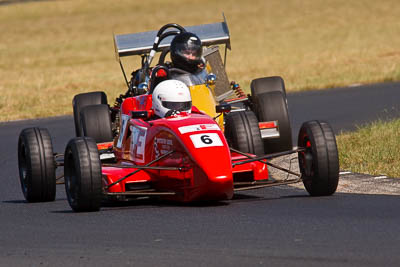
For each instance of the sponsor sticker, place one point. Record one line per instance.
(198, 128)
(162, 146)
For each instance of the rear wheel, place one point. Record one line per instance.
(267, 85)
(82, 171)
(96, 123)
(36, 165)
(242, 132)
(319, 163)
(82, 100)
(270, 104)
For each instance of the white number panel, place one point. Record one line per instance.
(206, 140)
(138, 142)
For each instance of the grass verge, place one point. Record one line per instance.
(374, 149)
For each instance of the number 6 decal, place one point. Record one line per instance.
(206, 140)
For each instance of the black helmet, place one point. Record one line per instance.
(186, 51)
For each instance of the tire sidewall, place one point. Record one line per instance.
(324, 176)
(71, 164)
(242, 132)
(96, 123)
(83, 183)
(37, 177)
(85, 99)
(24, 166)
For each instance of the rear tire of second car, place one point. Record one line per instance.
(82, 100)
(96, 123)
(267, 85)
(272, 107)
(268, 96)
(242, 132)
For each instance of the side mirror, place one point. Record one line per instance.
(142, 114)
(223, 108)
(211, 79)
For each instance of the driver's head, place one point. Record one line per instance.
(186, 52)
(171, 97)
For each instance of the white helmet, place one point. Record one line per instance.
(171, 96)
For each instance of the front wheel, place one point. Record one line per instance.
(319, 160)
(82, 171)
(36, 165)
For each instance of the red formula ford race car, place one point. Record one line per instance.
(156, 142)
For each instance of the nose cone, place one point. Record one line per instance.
(212, 175)
(219, 184)
(209, 187)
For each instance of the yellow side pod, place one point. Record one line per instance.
(203, 99)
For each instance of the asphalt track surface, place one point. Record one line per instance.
(346, 108)
(279, 226)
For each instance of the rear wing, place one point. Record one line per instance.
(142, 42)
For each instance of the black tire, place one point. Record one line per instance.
(272, 107)
(267, 85)
(82, 173)
(319, 163)
(242, 132)
(96, 123)
(37, 170)
(82, 100)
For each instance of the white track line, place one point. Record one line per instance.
(380, 177)
(343, 173)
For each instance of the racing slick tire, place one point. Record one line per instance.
(319, 163)
(82, 173)
(96, 123)
(268, 95)
(267, 85)
(82, 100)
(242, 132)
(272, 107)
(37, 170)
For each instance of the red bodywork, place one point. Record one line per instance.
(199, 148)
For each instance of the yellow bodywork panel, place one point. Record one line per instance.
(203, 99)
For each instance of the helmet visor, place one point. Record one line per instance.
(179, 106)
(191, 51)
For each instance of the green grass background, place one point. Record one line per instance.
(374, 148)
